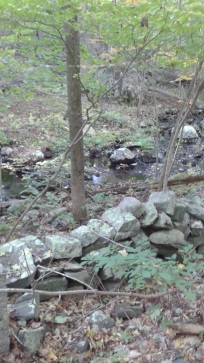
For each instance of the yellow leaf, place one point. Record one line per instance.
(180, 266)
(53, 356)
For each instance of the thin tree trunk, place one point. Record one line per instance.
(75, 121)
(191, 99)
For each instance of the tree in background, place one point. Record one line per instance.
(140, 34)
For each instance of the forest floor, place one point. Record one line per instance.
(157, 335)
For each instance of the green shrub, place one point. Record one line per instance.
(144, 270)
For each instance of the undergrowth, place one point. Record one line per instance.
(143, 270)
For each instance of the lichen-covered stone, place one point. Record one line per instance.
(150, 215)
(132, 205)
(163, 222)
(164, 201)
(125, 224)
(173, 237)
(63, 246)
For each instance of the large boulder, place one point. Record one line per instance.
(164, 201)
(122, 156)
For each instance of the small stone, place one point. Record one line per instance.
(150, 215)
(196, 228)
(127, 311)
(81, 346)
(27, 307)
(32, 338)
(102, 321)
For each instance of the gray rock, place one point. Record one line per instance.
(29, 191)
(84, 235)
(110, 274)
(172, 238)
(81, 346)
(127, 311)
(150, 215)
(188, 133)
(38, 154)
(51, 284)
(27, 307)
(196, 228)
(163, 222)
(164, 201)
(197, 241)
(32, 215)
(196, 210)
(125, 224)
(32, 338)
(111, 285)
(18, 257)
(201, 249)
(63, 246)
(89, 130)
(183, 226)
(99, 319)
(103, 231)
(6, 151)
(132, 205)
(122, 155)
(180, 210)
(85, 276)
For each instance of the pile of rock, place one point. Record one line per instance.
(166, 223)
(52, 264)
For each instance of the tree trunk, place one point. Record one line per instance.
(192, 96)
(75, 121)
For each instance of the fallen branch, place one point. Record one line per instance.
(185, 328)
(89, 292)
(171, 182)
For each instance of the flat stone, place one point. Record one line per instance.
(132, 205)
(51, 284)
(125, 224)
(172, 238)
(63, 246)
(164, 201)
(84, 235)
(84, 277)
(127, 311)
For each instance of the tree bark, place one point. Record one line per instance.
(75, 121)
